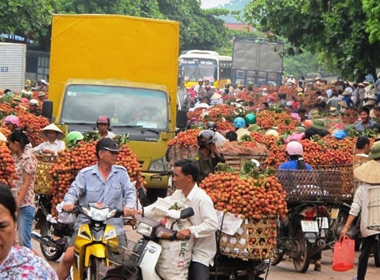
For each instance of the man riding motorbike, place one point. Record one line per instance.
(103, 182)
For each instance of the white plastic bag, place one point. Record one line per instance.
(175, 257)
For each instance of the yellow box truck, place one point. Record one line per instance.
(123, 67)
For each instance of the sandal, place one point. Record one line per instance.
(317, 266)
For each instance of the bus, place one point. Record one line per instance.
(202, 65)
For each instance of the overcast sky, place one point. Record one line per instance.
(212, 3)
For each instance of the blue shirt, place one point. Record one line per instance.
(89, 186)
(360, 127)
(292, 165)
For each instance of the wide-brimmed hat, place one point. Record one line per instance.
(216, 96)
(374, 152)
(318, 124)
(370, 102)
(365, 83)
(333, 111)
(41, 93)
(368, 172)
(3, 138)
(343, 104)
(346, 92)
(300, 129)
(52, 127)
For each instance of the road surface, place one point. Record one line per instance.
(285, 269)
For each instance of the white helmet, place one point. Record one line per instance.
(294, 148)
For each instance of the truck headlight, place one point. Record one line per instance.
(158, 165)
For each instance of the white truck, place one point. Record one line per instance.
(12, 66)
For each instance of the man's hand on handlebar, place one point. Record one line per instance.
(68, 207)
(183, 234)
(130, 212)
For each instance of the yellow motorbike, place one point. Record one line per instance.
(90, 260)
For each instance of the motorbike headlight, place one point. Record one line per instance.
(144, 229)
(158, 165)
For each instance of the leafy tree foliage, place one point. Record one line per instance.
(25, 18)
(334, 30)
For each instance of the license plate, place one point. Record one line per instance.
(312, 226)
(334, 213)
(309, 226)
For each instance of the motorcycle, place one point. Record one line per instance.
(138, 260)
(55, 233)
(303, 233)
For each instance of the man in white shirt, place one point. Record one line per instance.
(204, 221)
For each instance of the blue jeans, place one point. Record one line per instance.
(25, 216)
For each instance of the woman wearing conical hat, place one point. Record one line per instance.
(369, 175)
(53, 143)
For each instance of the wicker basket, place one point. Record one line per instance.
(236, 161)
(43, 181)
(255, 240)
(347, 178)
(316, 185)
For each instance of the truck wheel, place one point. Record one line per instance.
(49, 253)
(302, 262)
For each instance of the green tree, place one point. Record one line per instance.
(200, 29)
(333, 30)
(25, 18)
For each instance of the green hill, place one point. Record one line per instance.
(233, 5)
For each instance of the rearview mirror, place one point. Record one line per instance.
(181, 119)
(187, 212)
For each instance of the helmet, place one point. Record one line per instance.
(340, 134)
(73, 137)
(103, 119)
(239, 122)
(212, 126)
(12, 119)
(294, 148)
(33, 102)
(250, 119)
(205, 137)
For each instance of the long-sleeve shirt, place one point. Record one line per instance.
(89, 186)
(204, 223)
(360, 203)
(56, 146)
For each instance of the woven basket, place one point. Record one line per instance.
(316, 185)
(255, 240)
(237, 161)
(347, 178)
(43, 181)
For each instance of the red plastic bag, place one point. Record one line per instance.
(344, 254)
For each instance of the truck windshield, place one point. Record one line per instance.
(125, 106)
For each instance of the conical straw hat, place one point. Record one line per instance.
(53, 127)
(369, 172)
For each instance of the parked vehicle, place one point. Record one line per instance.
(138, 260)
(134, 83)
(55, 233)
(303, 233)
(12, 66)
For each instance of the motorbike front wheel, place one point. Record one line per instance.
(93, 270)
(49, 253)
(302, 262)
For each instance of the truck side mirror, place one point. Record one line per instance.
(47, 109)
(181, 119)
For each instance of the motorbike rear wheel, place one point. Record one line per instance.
(49, 253)
(302, 262)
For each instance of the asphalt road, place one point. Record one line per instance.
(285, 270)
